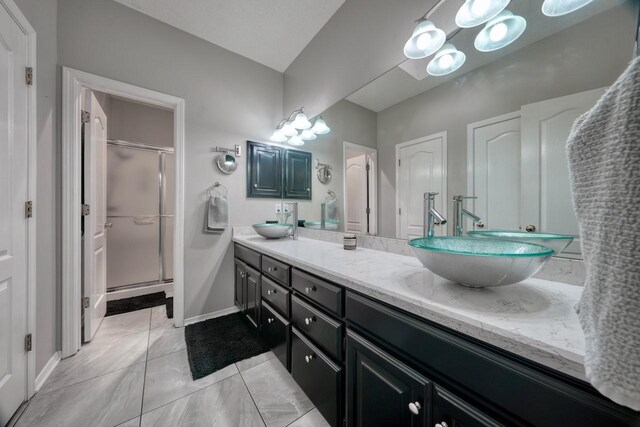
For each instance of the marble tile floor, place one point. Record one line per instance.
(135, 373)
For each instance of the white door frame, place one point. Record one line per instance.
(445, 203)
(72, 83)
(32, 132)
(368, 150)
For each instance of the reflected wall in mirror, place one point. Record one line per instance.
(495, 129)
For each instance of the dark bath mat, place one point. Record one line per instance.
(170, 307)
(217, 343)
(135, 303)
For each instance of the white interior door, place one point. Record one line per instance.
(494, 157)
(94, 262)
(13, 224)
(372, 161)
(421, 168)
(546, 192)
(356, 185)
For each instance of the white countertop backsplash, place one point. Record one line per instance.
(534, 319)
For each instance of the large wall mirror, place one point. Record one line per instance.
(495, 129)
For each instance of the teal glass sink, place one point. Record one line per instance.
(480, 263)
(273, 231)
(557, 242)
(328, 225)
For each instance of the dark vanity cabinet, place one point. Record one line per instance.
(264, 166)
(276, 172)
(365, 363)
(297, 175)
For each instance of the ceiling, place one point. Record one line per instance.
(271, 32)
(410, 77)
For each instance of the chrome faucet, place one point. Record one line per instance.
(459, 212)
(294, 231)
(431, 216)
(323, 215)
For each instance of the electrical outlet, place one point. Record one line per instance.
(278, 208)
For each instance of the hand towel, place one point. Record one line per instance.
(604, 161)
(331, 210)
(217, 214)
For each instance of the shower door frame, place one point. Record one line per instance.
(73, 82)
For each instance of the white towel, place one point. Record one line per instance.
(217, 214)
(331, 210)
(604, 160)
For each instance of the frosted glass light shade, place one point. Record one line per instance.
(499, 32)
(425, 40)
(447, 60)
(300, 121)
(320, 127)
(288, 129)
(476, 12)
(308, 135)
(296, 141)
(278, 136)
(562, 7)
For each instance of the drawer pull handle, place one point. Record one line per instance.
(308, 358)
(309, 289)
(415, 407)
(271, 291)
(272, 269)
(270, 320)
(309, 320)
(442, 424)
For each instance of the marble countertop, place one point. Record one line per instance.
(534, 319)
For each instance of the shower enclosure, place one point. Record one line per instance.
(140, 215)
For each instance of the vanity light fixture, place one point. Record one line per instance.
(500, 31)
(447, 60)
(425, 40)
(562, 7)
(278, 134)
(476, 12)
(296, 141)
(288, 129)
(300, 120)
(320, 127)
(308, 135)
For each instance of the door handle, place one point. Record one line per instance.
(415, 407)
(108, 225)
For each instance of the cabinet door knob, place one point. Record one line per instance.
(270, 320)
(309, 289)
(255, 185)
(415, 407)
(308, 358)
(271, 291)
(442, 424)
(309, 320)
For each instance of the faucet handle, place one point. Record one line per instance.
(429, 195)
(461, 198)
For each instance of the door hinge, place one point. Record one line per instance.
(368, 167)
(368, 211)
(28, 209)
(85, 116)
(85, 302)
(86, 210)
(399, 161)
(399, 211)
(28, 342)
(28, 76)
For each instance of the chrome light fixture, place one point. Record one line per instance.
(562, 7)
(425, 40)
(296, 141)
(476, 12)
(300, 120)
(320, 127)
(501, 31)
(308, 135)
(278, 134)
(447, 60)
(288, 129)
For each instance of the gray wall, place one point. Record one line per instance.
(42, 17)
(575, 60)
(136, 122)
(228, 99)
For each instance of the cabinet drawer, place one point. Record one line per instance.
(276, 270)
(249, 256)
(277, 296)
(324, 293)
(276, 331)
(318, 376)
(324, 331)
(486, 378)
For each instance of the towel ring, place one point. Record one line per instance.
(215, 186)
(332, 195)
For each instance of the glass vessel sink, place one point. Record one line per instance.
(480, 263)
(273, 231)
(328, 225)
(557, 242)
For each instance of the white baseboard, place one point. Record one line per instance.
(208, 316)
(47, 370)
(142, 290)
